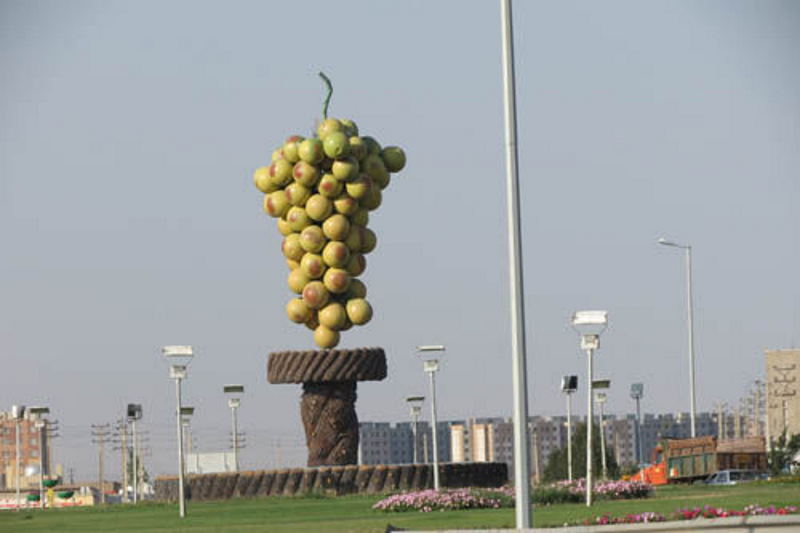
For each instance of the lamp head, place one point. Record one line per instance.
(233, 390)
(666, 242)
(431, 348)
(134, 411)
(599, 384)
(415, 399)
(569, 384)
(430, 357)
(37, 413)
(637, 391)
(178, 355)
(590, 322)
(186, 414)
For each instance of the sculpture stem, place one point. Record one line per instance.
(328, 97)
(329, 418)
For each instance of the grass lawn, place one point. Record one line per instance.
(353, 513)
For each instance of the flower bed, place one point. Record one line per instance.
(446, 500)
(688, 514)
(561, 492)
(575, 491)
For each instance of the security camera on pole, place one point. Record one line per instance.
(134, 413)
(569, 384)
(589, 324)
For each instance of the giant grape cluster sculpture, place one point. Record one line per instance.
(322, 189)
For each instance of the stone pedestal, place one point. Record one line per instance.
(327, 407)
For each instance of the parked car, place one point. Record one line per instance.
(734, 477)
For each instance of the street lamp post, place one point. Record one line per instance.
(589, 324)
(188, 445)
(569, 384)
(431, 366)
(688, 249)
(40, 424)
(179, 357)
(519, 374)
(601, 400)
(233, 392)
(134, 414)
(17, 413)
(637, 393)
(415, 403)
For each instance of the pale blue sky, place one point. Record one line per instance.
(128, 219)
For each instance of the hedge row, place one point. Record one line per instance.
(333, 480)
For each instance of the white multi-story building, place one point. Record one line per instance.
(386, 443)
(491, 439)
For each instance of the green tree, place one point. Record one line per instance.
(783, 450)
(145, 476)
(557, 468)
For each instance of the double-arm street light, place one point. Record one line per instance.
(430, 365)
(234, 393)
(179, 358)
(589, 324)
(688, 249)
(569, 384)
(415, 404)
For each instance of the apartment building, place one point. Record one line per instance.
(33, 447)
(783, 394)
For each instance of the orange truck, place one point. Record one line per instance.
(689, 460)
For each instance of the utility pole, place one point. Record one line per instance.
(122, 427)
(535, 452)
(99, 437)
(757, 409)
(737, 422)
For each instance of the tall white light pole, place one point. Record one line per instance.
(589, 324)
(188, 445)
(688, 249)
(601, 400)
(637, 393)
(40, 423)
(569, 384)
(522, 467)
(17, 413)
(234, 400)
(415, 403)
(179, 358)
(431, 366)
